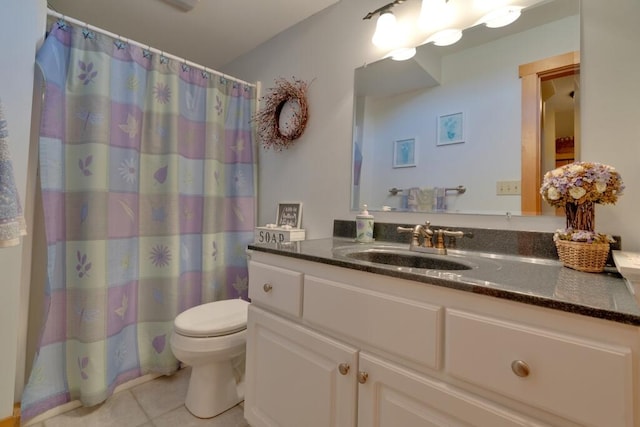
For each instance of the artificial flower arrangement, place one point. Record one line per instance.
(582, 236)
(581, 182)
(577, 187)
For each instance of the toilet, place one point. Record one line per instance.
(211, 338)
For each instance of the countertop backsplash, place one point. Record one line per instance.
(512, 242)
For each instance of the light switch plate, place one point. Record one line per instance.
(508, 188)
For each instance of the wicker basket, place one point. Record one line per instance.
(589, 257)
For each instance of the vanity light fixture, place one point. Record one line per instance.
(441, 20)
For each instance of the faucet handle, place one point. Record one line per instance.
(450, 233)
(452, 236)
(414, 236)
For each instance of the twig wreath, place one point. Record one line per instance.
(292, 93)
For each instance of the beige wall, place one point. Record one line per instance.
(327, 47)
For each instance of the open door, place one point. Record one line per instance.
(532, 76)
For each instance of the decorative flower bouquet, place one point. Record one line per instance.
(577, 187)
(582, 182)
(582, 236)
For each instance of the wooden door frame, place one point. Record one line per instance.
(531, 75)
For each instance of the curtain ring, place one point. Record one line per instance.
(62, 23)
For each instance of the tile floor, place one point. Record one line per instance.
(157, 403)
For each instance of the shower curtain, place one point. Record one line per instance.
(148, 171)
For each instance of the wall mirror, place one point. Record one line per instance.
(462, 108)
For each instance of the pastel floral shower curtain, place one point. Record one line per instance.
(148, 179)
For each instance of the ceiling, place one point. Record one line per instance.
(213, 33)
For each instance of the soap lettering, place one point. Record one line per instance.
(266, 237)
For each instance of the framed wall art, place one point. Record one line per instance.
(404, 153)
(450, 129)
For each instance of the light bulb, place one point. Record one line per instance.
(385, 30)
(434, 13)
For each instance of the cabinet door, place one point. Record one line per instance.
(392, 396)
(296, 377)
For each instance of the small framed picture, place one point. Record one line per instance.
(450, 129)
(289, 213)
(404, 153)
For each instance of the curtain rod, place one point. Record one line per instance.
(154, 50)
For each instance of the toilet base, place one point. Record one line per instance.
(213, 389)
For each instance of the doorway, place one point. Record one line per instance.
(548, 140)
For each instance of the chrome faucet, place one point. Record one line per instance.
(425, 233)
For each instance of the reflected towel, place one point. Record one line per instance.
(12, 224)
(421, 199)
(412, 199)
(441, 199)
(425, 199)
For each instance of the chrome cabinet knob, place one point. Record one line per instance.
(343, 368)
(362, 377)
(267, 287)
(520, 368)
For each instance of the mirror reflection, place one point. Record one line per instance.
(448, 131)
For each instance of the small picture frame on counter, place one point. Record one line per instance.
(289, 214)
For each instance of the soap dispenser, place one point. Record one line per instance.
(364, 226)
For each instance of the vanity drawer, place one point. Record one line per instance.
(408, 329)
(276, 288)
(585, 381)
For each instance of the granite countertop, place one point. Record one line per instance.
(531, 280)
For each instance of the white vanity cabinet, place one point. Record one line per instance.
(297, 377)
(333, 346)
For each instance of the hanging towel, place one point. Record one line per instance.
(12, 224)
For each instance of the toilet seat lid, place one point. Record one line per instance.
(213, 319)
